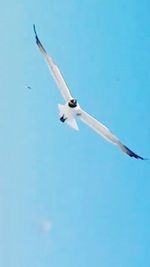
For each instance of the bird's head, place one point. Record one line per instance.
(72, 103)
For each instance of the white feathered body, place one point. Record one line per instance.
(69, 115)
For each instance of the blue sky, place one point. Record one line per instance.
(95, 199)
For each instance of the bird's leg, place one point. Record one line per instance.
(63, 119)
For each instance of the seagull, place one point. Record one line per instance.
(72, 110)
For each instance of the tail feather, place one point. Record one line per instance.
(73, 124)
(69, 119)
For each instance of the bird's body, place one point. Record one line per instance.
(72, 110)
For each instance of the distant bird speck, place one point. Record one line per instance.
(28, 87)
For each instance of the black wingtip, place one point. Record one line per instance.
(36, 37)
(34, 29)
(131, 153)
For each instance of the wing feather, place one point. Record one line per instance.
(106, 133)
(58, 77)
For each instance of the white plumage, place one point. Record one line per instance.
(71, 110)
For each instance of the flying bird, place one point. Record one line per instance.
(72, 110)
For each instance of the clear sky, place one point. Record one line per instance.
(70, 198)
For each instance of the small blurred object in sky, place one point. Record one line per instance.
(46, 226)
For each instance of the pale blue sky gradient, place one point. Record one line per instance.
(96, 198)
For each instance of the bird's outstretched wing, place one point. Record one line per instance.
(54, 70)
(106, 133)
